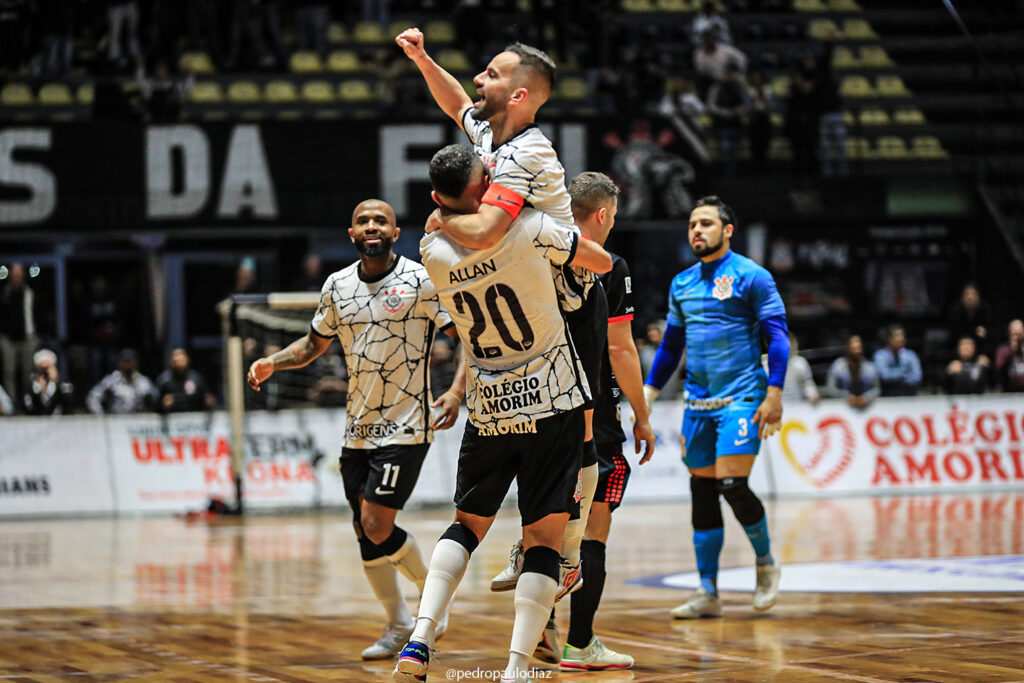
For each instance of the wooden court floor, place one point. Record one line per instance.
(282, 598)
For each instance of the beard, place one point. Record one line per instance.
(374, 249)
(703, 250)
(486, 111)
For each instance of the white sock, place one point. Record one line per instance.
(384, 580)
(447, 565)
(574, 528)
(409, 561)
(535, 595)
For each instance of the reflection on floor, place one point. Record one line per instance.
(284, 598)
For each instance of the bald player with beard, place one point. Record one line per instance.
(385, 311)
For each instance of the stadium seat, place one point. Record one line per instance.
(848, 118)
(891, 86)
(439, 31)
(909, 117)
(821, 29)
(873, 116)
(572, 89)
(928, 147)
(842, 58)
(858, 29)
(674, 6)
(453, 60)
(637, 5)
(306, 62)
(318, 91)
(55, 94)
(780, 86)
(16, 95)
(369, 33)
(206, 92)
(856, 86)
(85, 93)
(244, 92)
(875, 57)
(336, 33)
(356, 91)
(399, 25)
(196, 63)
(858, 148)
(344, 61)
(809, 6)
(843, 6)
(779, 148)
(280, 92)
(891, 147)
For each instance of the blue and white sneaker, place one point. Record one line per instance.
(412, 663)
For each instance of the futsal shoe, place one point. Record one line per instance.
(390, 644)
(700, 604)
(509, 576)
(548, 649)
(412, 663)
(594, 657)
(766, 593)
(570, 579)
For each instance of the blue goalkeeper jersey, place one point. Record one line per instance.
(720, 305)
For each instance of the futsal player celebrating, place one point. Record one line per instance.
(525, 394)
(719, 309)
(384, 311)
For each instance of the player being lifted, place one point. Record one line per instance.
(524, 170)
(719, 309)
(384, 311)
(525, 392)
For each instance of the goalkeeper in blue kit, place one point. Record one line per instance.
(720, 310)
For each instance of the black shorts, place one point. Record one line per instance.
(546, 465)
(385, 475)
(589, 329)
(612, 474)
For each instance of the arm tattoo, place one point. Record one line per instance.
(296, 355)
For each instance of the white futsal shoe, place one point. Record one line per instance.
(700, 604)
(507, 579)
(594, 657)
(549, 650)
(766, 593)
(390, 644)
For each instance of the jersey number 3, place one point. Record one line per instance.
(464, 300)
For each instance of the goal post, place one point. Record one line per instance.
(256, 325)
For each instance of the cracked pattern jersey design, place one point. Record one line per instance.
(385, 327)
(522, 368)
(527, 165)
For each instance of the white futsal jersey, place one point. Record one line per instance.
(386, 326)
(527, 165)
(522, 368)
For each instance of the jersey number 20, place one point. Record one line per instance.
(464, 300)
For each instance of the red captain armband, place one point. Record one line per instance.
(505, 199)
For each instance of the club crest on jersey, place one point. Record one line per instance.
(393, 301)
(723, 287)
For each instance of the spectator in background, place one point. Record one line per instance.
(648, 345)
(1010, 359)
(442, 363)
(312, 277)
(6, 404)
(969, 373)
(162, 94)
(181, 388)
(312, 17)
(17, 329)
(801, 123)
(708, 19)
(122, 18)
(245, 277)
(331, 389)
(57, 26)
(831, 124)
(800, 384)
(710, 60)
(125, 390)
(898, 366)
(727, 102)
(853, 377)
(104, 322)
(761, 103)
(47, 394)
(971, 317)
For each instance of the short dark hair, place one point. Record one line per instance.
(724, 212)
(590, 191)
(451, 169)
(893, 330)
(535, 60)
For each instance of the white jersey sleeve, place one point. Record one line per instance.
(325, 320)
(429, 305)
(555, 242)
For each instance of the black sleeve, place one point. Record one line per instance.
(619, 289)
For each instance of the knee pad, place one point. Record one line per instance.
(745, 505)
(463, 536)
(393, 543)
(368, 551)
(704, 509)
(542, 560)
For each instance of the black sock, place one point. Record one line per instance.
(584, 602)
